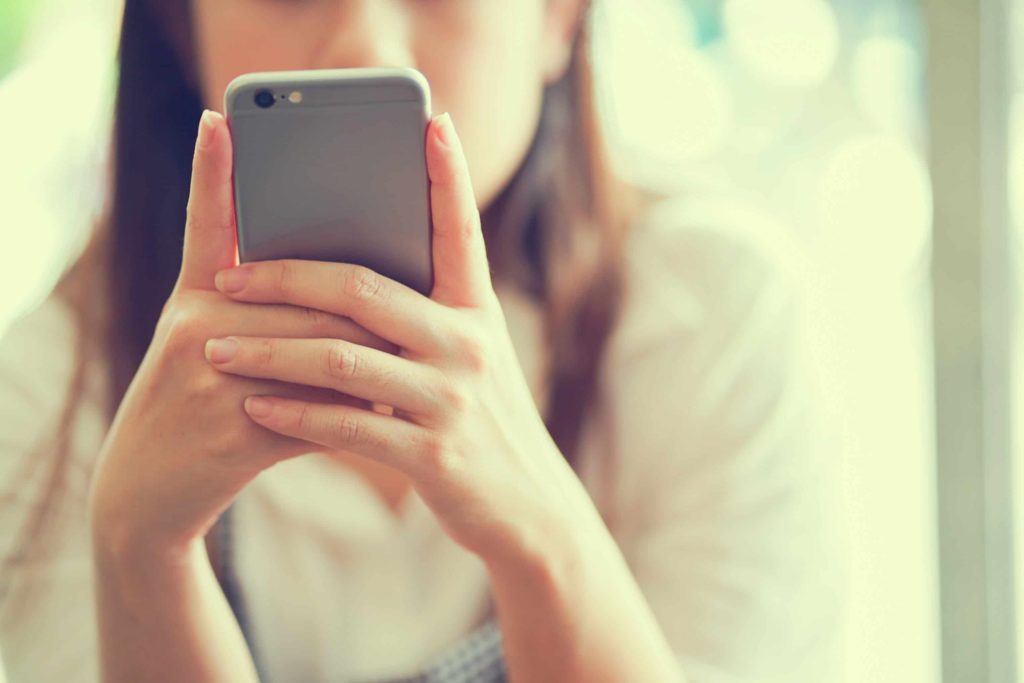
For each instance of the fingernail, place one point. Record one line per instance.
(221, 350)
(231, 280)
(257, 406)
(206, 129)
(446, 130)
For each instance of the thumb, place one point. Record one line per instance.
(210, 218)
(462, 276)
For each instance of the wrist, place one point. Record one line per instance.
(554, 552)
(576, 613)
(120, 548)
(122, 533)
(561, 525)
(535, 573)
(546, 599)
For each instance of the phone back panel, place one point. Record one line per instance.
(340, 176)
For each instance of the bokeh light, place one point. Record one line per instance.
(875, 206)
(792, 43)
(886, 77)
(665, 101)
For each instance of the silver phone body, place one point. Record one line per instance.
(339, 175)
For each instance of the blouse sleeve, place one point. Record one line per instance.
(721, 492)
(45, 576)
(36, 359)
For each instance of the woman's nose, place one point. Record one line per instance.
(367, 33)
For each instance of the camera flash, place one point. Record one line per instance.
(295, 97)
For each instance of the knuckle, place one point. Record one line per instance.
(363, 285)
(454, 396)
(319, 323)
(266, 353)
(348, 428)
(472, 351)
(284, 277)
(208, 386)
(305, 419)
(436, 454)
(185, 328)
(342, 361)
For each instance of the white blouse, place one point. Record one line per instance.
(701, 455)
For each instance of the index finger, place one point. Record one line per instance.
(385, 307)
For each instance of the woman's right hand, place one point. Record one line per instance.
(181, 446)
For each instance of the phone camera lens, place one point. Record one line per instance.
(264, 99)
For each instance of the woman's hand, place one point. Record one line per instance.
(181, 446)
(465, 429)
(180, 449)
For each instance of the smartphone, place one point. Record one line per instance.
(330, 165)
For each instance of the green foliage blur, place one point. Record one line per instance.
(13, 20)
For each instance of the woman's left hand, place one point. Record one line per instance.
(465, 428)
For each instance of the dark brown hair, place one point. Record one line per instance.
(556, 230)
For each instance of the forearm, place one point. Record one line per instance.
(166, 620)
(575, 613)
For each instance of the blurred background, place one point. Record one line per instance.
(886, 134)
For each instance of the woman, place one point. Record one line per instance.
(587, 454)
